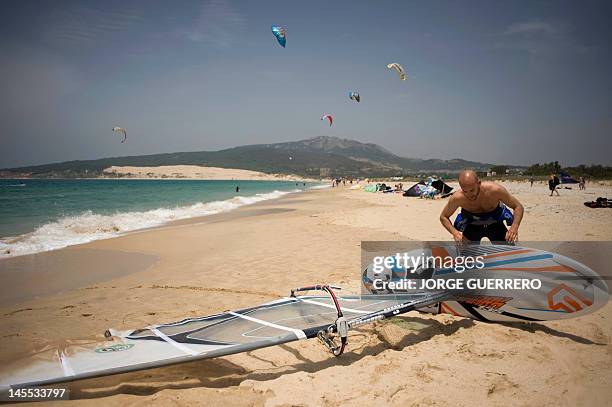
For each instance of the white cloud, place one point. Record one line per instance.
(532, 27)
(82, 26)
(217, 24)
(542, 39)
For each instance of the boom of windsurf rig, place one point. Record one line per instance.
(341, 327)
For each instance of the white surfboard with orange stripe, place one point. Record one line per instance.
(567, 288)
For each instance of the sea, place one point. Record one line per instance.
(38, 215)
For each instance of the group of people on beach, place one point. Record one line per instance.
(337, 181)
(553, 184)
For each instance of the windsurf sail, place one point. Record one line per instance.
(285, 320)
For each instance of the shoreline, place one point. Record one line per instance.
(232, 206)
(61, 268)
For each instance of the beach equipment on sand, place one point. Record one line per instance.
(567, 289)
(567, 179)
(600, 202)
(429, 189)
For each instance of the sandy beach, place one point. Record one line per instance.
(257, 253)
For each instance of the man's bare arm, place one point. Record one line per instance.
(450, 208)
(513, 204)
(517, 208)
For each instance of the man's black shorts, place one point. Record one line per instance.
(495, 232)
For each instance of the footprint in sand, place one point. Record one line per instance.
(500, 383)
(596, 334)
(422, 373)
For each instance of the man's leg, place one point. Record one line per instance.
(496, 233)
(474, 233)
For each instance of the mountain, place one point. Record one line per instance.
(334, 145)
(319, 156)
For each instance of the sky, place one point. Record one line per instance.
(501, 82)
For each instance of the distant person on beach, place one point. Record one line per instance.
(531, 181)
(484, 208)
(237, 188)
(581, 183)
(553, 181)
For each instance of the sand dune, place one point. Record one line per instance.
(195, 172)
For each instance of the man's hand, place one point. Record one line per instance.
(458, 236)
(512, 234)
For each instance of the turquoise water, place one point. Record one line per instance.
(46, 214)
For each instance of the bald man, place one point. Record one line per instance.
(484, 208)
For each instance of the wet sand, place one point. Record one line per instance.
(38, 275)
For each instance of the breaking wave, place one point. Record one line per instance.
(89, 226)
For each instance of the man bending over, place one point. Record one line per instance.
(484, 208)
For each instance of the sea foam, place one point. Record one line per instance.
(89, 226)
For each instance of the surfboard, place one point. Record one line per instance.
(567, 288)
